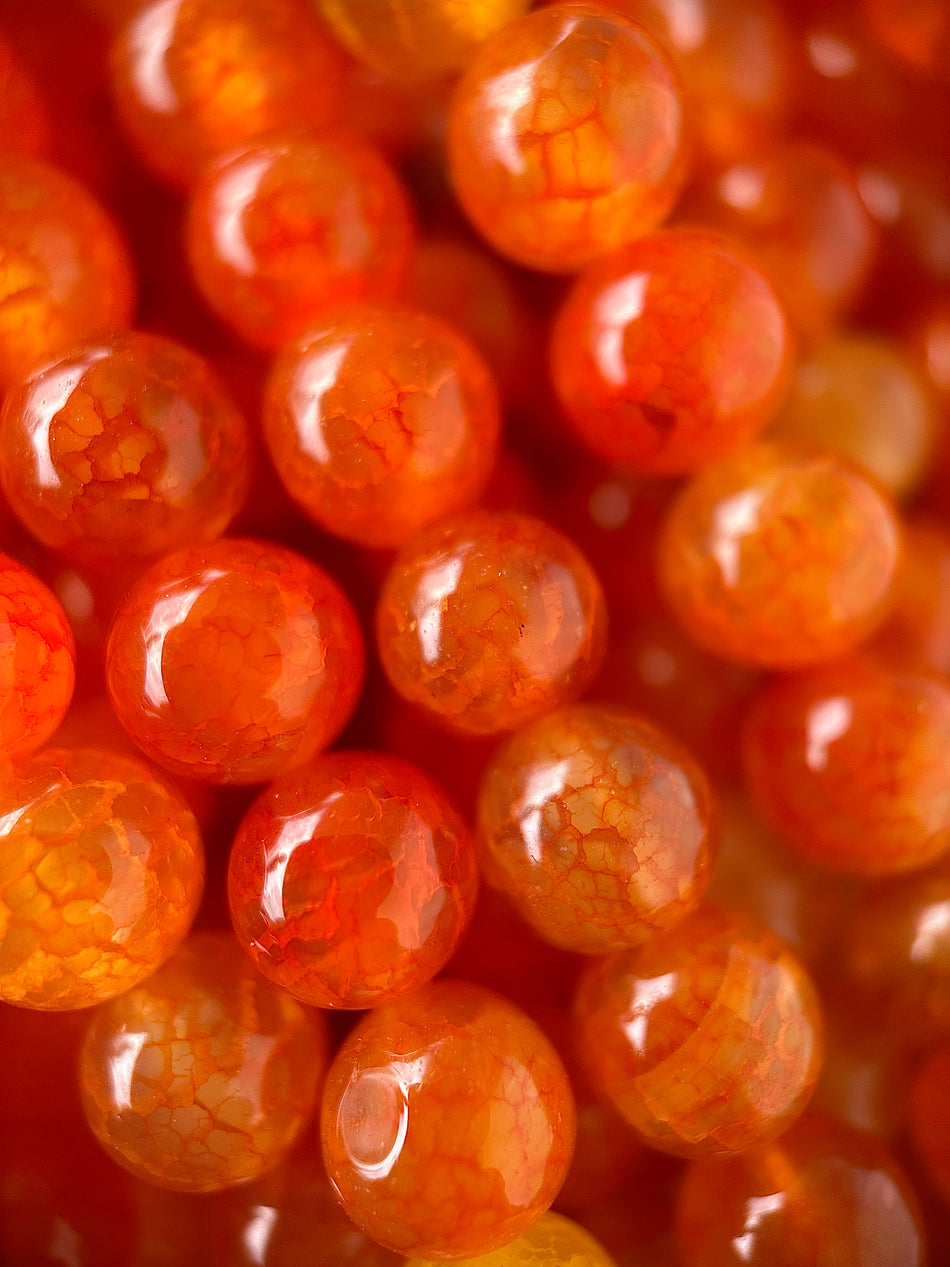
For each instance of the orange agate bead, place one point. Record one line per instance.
(192, 78)
(447, 1122)
(554, 1241)
(204, 1075)
(352, 881)
(381, 420)
(598, 826)
(849, 763)
(66, 270)
(102, 875)
(490, 620)
(234, 662)
(37, 661)
(281, 230)
(822, 1195)
(707, 1039)
(122, 450)
(671, 352)
(779, 557)
(566, 136)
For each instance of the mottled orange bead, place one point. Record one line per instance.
(671, 352)
(447, 1122)
(381, 420)
(204, 1075)
(821, 1196)
(421, 41)
(490, 620)
(235, 661)
(707, 1039)
(598, 826)
(861, 397)
(37, 661)
(352, 881)
(65, 270)
(101, 875)
(779, 556)
(282, 230)
(849, 764)
(554, 1241)
(192, 78)
(566, 136)
(122, 450)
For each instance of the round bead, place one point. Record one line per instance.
(554, 1241)
(849, 763)
(352, 881)
(779, 557)
(234, 662)
(419, 42)
(381, 420)
(124, 449)
(66, 269)
(490, 620)
(37, 661)
(707, 1039)
(447, 1122)
(670, 353)
(282, 230)
(204, 1075)
(192, 78)
(824, 1194)
(101, 877)
(566, 136)
(598, 826)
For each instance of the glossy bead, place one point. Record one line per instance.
(707, 1039)
(849, 763)
(37, 661)
(822, 1195)
(352, 881)
(918, 627)
(124, 449)
(670, 353)
(490, 620)
(418, 42)
(192, 78)
(598, 826)
(66, 270)
(735, 59)
(234, 661)
(798, 208)
(554, 1241)
(447, 1122)
(930, 1119)
(101, 877)
(281, 230)
(860, 397)
(566, 136)
(381, 420)
(204, 1075)
(779, 557)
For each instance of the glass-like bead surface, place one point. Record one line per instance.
(101, 875)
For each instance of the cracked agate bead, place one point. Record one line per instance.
(447, 1122)
(235, 661)
(554, 1241)
(566, 136)
(598, 826)
(204, 1075)
(381, 420)
(37, 661)
(671, 352)
(352, 881)
(124, 449)
(490, 620)
(101, 875)
(707, 1039)
(779, 556)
